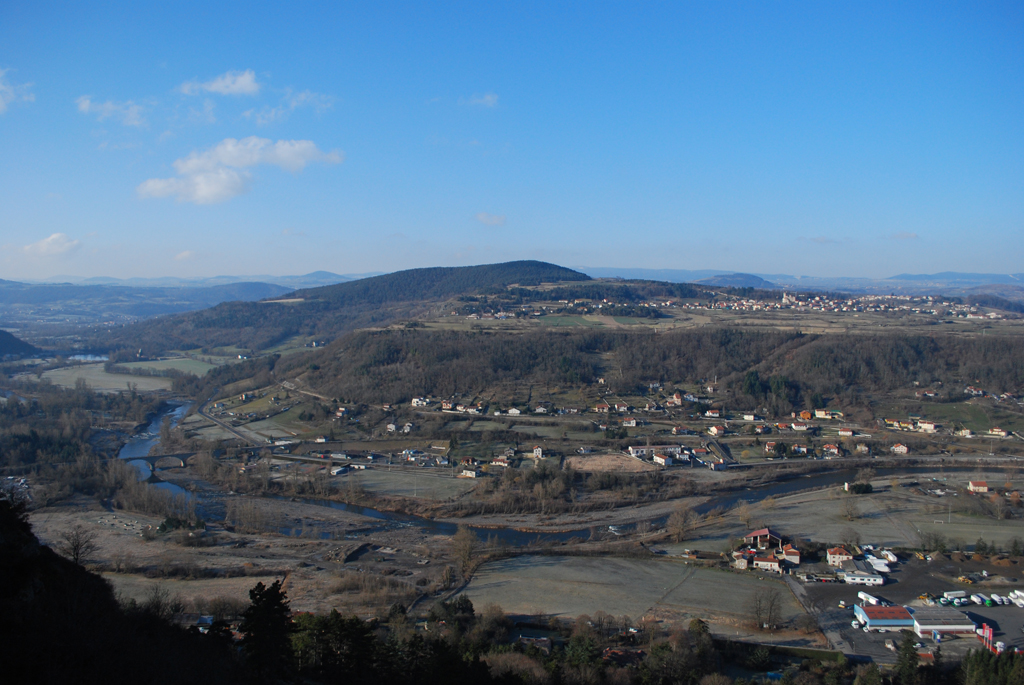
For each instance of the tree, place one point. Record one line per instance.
(905, 671)
(868, 675)
(980, 547)
(266, 629)
(464, 544)
(681, 522)
(767, 608)
(849, 510)
(77, 543)
(849, 537)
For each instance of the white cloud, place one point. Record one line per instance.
(485, 100)
(129, 113)
(290, 103)
(230, 83)
(219, 174)
(10, 92)
(56, 244)
(491, 219)
(182, 256)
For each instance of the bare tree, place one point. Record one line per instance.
(745, 514)
(643, 528)
(681, 523)
(850, 537)
(767, 608)
(464, 545)
(849, 509)
(77, 543)
(807, 623)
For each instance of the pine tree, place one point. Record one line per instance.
(266, 628)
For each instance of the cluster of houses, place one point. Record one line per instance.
(828, 450)
(918, 425)
(669, 455)
(766, 550)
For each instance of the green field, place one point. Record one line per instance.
(562, 321)
(98, 379)
(570, 586)
(978, 418)
(183, 364)
(435, 483)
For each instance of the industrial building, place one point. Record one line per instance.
(875, 617)
(934, 622)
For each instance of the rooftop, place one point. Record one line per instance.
(877, 613)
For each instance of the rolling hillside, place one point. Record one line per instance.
(331, 310)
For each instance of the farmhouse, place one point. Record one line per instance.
(789, 554)
(837, 555)
(846, 432)
(629, 422)
(662, 460)
(977, 486)
(717, 430)
(538, 452)
(762, 538)
(420, 402)
(767, 564)
(998, 432)
(713, 413)
(899, 448)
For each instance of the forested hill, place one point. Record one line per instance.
(438, 283)
(330, 310)
(11, 345)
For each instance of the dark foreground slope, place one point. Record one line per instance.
(330, 310)
(14, 346)
(62, 624)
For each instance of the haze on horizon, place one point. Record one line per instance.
(196, 140)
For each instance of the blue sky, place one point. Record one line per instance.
(196, 139)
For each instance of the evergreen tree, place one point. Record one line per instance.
(905, 671)
(266, 629)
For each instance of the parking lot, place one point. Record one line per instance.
(910, 579)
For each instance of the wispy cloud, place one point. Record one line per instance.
(820, 240)
(291, 102)
(230, 83)
(219, 174)
(294, 232)
(491, 219)
(182, 256)
(128, 112)
(485, 100)
(12, 92)
(904, 235)
(56, 244)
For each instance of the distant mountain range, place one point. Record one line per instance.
(310, 280)
(944, 283)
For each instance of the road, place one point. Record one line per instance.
(230, 429)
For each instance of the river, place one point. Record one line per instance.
(140, 444)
